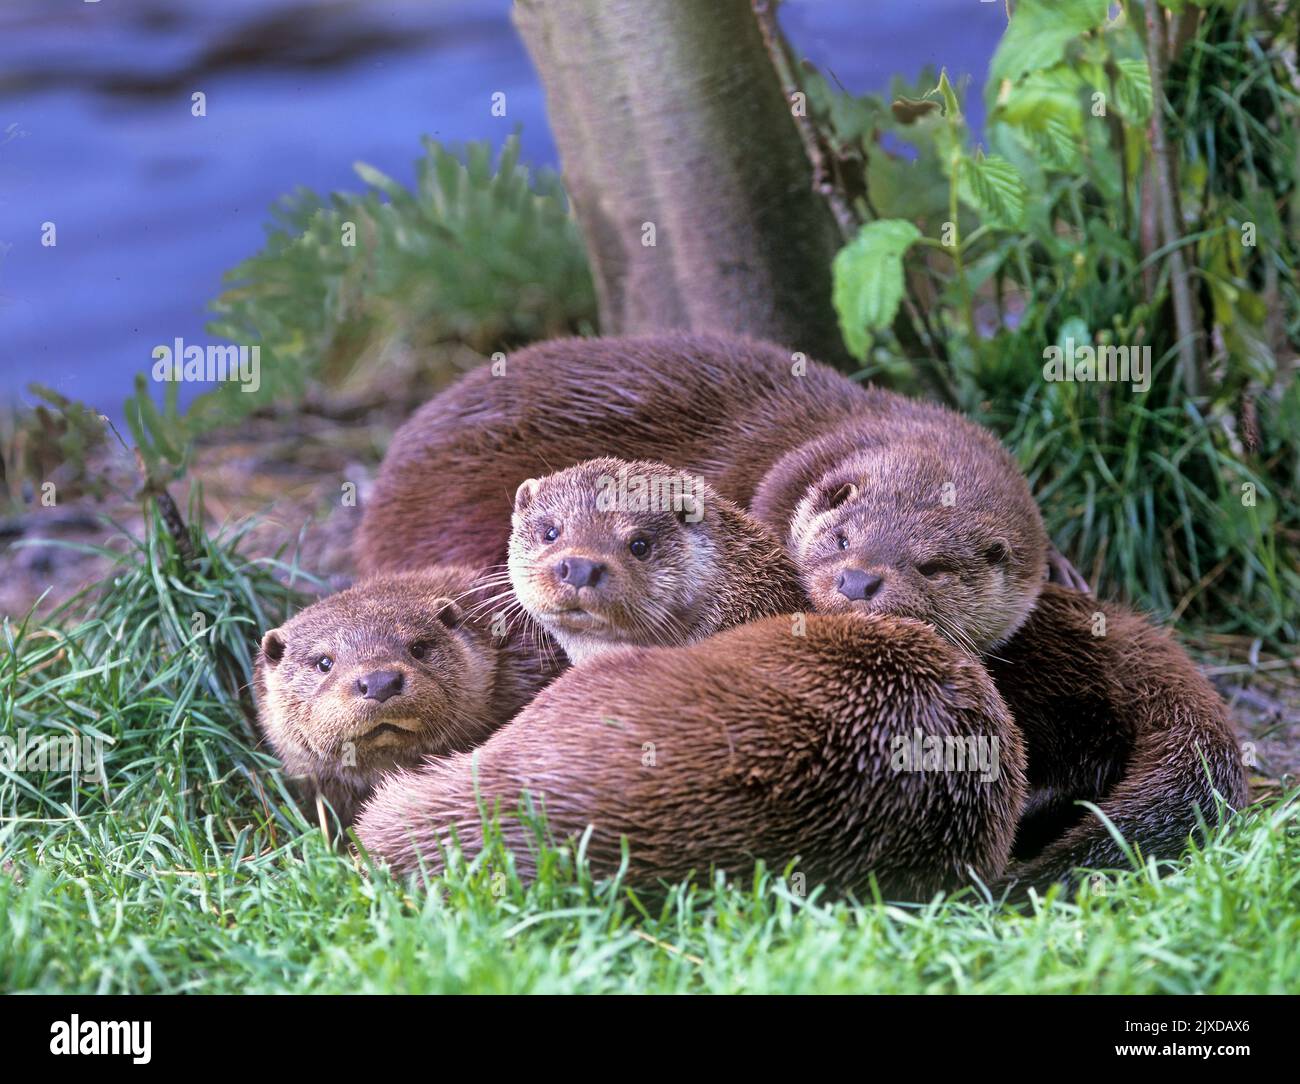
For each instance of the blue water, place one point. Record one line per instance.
(151, 205)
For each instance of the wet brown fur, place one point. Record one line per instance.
(706, 565)
(718, 407)
(764, 744)
(474, 674)
(940, 516)
(1123, 720)
(731, 410)
(764, 429)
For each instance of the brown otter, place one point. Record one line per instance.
(389, 671)
(612, 552)
(719, 408)
(732, 410)
(775, 740)
(1113, 712)
(770, 433)
(933, 524)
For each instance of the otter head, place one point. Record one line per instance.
(374, 677)
(949, 535)
(611, 552)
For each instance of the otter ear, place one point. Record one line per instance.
(273, 647)
(525, 493)
(833, 498)
(446, 611)
(997, 553)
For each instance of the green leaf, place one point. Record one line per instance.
(1053, 91)
(1057, 145)
(912, 189)
(1047, 113)
(869, 280)
(951, 107)
(1133, 90)
(1039, 32)
(993, 187)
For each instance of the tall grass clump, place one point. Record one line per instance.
(154, 674)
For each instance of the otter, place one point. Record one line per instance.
(1114, 712)
(777, 436)
(777, 740)
(718, 408)
(769, 430)
(391, 670)
(931, 524)
(612, 552)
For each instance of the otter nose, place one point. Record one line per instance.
(380, 685)
(579, 572)
(855, 583)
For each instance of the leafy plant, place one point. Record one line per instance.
(350, 287)
(482, 256)
(1051, 239)
(52, 442)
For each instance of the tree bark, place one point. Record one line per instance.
(669, 115)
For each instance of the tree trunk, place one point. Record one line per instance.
(673, 129)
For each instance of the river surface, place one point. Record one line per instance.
(151, 204)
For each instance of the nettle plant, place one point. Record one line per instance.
(1066, 230)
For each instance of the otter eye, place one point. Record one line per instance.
(420, 649)
(324, 664)
(551, 533)
(996, 553)
(934, 568)
(841, 541)
(640, 548)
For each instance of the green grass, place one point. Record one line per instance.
(181, 865)
(171, 909)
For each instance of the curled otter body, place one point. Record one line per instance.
(734, 412)
(720, 408)
(1122, 719)
(758, 743)
(612, 552)
(391, 670)
(766, 430)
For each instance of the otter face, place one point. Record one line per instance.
(372, 678)
(600, 562)
(915, 536)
